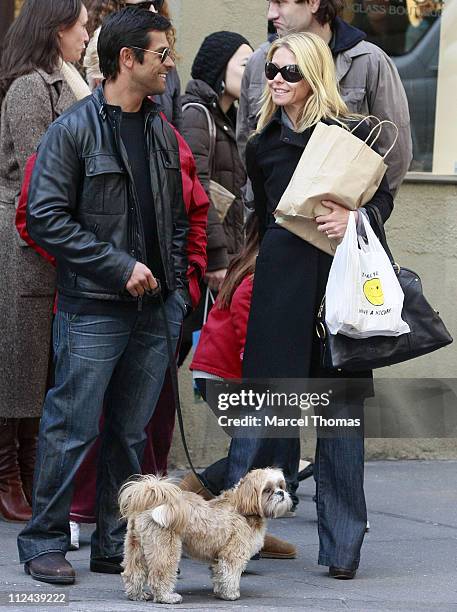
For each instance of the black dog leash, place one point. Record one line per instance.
(175, 387)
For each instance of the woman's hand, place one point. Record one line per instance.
(335, 223)
(215, 279)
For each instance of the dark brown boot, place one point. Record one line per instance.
(13, 504)
(51, 567)
(27, 436)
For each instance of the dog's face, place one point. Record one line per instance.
(263, 493)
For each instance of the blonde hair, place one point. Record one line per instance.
(314, 58)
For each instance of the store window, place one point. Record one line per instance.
(409, 31)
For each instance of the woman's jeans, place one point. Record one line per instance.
(338, 472)
(121, 359)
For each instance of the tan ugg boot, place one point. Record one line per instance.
(191, 483)
(274, 548)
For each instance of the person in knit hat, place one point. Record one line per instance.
(208, 107)
(210, 63)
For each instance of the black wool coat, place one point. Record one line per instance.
(291, 274)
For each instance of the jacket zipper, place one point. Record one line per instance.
(148, 145)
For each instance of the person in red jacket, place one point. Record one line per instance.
(219, 355)
(161, 426)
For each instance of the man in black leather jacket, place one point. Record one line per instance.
(106, 200)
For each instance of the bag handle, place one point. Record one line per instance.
(381, 123)
(370, 242)
(376, 220)
(378, 127)
(208, 295)
(363, 121)
(211, 131)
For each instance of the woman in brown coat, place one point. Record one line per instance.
(216, 85)
(37, 83)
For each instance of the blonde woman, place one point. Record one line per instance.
(289, 284)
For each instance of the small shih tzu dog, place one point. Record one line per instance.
(226, 531)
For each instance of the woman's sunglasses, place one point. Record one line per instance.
(157, 4)
(290, 73)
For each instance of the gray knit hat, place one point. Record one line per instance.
(213, 56)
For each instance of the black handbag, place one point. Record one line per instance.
(428, 332)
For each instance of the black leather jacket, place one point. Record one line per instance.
(83, 208)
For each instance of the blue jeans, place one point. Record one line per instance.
(120, 360)
(338, 472)
(247, 454)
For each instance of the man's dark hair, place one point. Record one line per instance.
(328, 10)
(127, 28)
(32, 40)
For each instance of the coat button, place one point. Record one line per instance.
(286, 139)
(225, 128)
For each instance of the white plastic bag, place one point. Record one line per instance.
(363, 296)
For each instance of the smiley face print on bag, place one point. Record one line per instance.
(372, 290)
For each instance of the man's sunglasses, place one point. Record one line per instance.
(163, 54)
(290, 73)
(157, 4)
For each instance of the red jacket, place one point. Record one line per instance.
(222, 339)
(195, 200)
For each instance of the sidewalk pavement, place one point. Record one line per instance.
(409, 557)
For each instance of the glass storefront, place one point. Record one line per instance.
(410, 32)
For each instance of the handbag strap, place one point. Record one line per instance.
(211, 131)
(51, 87)
(376, 220)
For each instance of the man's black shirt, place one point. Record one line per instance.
(134, 139)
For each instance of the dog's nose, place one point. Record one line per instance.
(280, 493)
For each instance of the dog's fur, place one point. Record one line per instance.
(226, 531)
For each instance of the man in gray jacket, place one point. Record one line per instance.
(368, 79)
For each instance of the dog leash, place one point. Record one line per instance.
(175, 388)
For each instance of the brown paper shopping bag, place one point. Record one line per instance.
(307, 230)
(335, 165)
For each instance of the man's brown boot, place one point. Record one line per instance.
(13, 504)
(27, 436)
(51, 567)
(274, 548)
(191, 483)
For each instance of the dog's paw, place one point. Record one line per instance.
(170, 598)
(143, 596)
(227, 595)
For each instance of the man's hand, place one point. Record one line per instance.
(335, 223)
(141, 280)
(215, 279)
